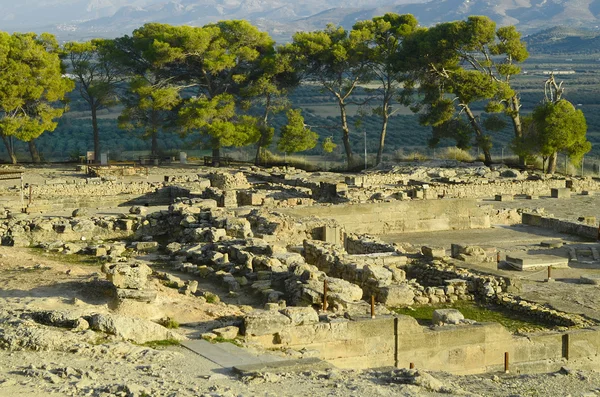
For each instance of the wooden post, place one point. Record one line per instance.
(498, 257)
(549, 273)
(22, 199)
(324, 295)
(372, 306)
(411, 365)
(565, 346)
(506, 362)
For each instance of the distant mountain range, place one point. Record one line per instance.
(81, 19)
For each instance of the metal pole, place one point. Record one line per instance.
(372, 306)
(365, 134)
(324, 295)
(22, 199)
(506, 362)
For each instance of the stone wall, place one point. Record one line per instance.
(401, 216)
(561, 226)
(461, 349)
(365, 244)
(492, 289)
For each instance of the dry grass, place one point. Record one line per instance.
(454, 153)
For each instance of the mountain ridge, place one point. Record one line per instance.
(72, 19)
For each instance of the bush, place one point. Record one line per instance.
(454, 153)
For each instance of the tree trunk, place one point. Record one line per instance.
(384, 124)
(154, 144)
(9, 149)
(552, 163)
(479, 133)
(515, 116)
(96, 135)
(35, 154)
(216, 161)
(258, 151)
(346, 133)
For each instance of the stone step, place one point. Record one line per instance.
(226, 354)
(278, 367)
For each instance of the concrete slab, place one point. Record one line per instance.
(226, 354)
(299, 365)
(523, 261)
(593, 279)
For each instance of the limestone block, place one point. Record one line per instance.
(264, 263)
(130, 328)
(124, 275)
(124, 224)
(381, 274)
(503, 197)
(141, 295)
(397, 274)
(212, 235)
(83, 225)
(192, 287)
(265, 322)
(137, 210)
(396, 295)
(98, 251)
(590, 279)
(560, 193)
(432, 252)
(301, 315)
(229, 332)
(146, 246)
(447, 316)
(238, 227)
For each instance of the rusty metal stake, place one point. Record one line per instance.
(549, 273)
(411, 365)
(324, 295)
(497, 257)
(372, 306)
(506, 362)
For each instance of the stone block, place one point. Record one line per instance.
(589, 279)
(504, 197)
(588, 220)
(551, 244)
(123, 275)
(301, 315)
(146, 246)
(265, 323)
(432, 252)
(560, 193)
(396, 295)
(527, 262)
(143, 295)
(229, 332)
(447, 316)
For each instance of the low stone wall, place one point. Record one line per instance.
(94, 187)
(382, 277)
(462, 349)
(365, 244)
(561, 226)
(401, 216)
(493, 289)
(25, 232)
